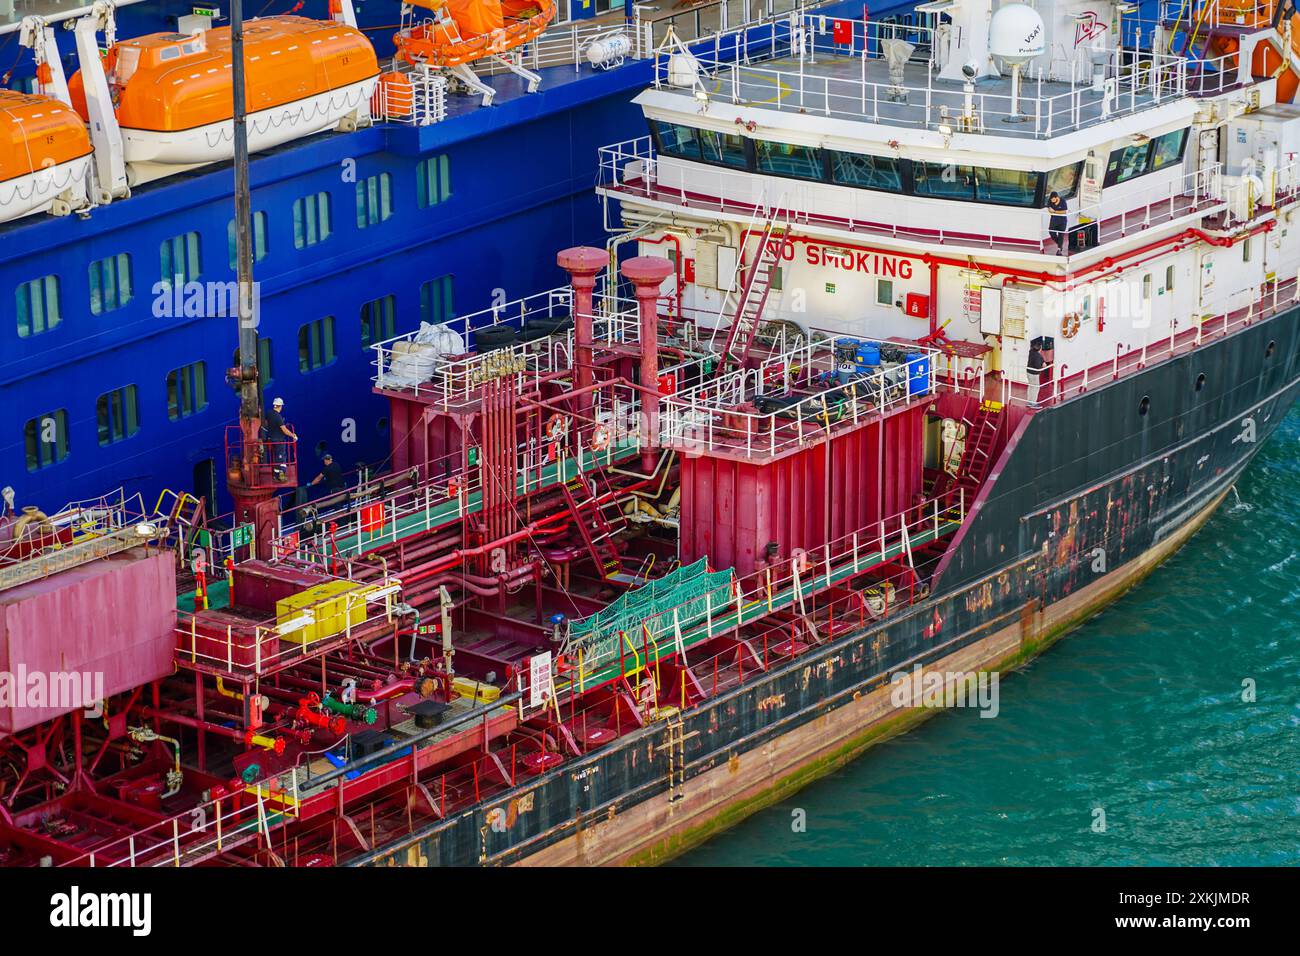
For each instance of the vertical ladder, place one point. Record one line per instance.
(753, 296)
(597, 534)
(676, 747)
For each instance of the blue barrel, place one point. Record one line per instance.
(868, 355)
(846, 351)
(918, 373)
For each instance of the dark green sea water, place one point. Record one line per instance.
(1139, 712)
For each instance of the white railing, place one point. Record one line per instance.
(1127, 81)
(422, 103)
(631, 167)
(723, 414)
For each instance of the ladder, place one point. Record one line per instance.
(597, 533)
(676, 747)
(977, 455)
(187, 514)
(753, 295)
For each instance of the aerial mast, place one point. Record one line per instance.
(254, 470)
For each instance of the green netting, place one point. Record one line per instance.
(691, 590)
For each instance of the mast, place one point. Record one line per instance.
(262, 467)
(250, 389)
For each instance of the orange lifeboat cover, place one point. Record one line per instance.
(36, 132)
(475, 17)
(171, 86)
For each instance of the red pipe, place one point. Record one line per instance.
(677, 265)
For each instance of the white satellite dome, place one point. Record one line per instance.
(1017, 33)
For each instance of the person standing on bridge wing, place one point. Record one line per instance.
(1057, 225)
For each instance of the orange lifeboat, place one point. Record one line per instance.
(45, 155)
(468, 30)
(172, 91)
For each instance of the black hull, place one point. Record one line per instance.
(1088, 496)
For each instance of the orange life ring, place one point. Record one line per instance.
(600, 438)
(1070, 323)
(556, 426)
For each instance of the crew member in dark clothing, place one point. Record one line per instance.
(331, 474)
(1059, 222)
(1036, 366)
(278, 433)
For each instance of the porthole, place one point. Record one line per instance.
(1200, 381)
(1144, 406)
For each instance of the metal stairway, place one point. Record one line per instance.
(977, 456)
(597, 533)
(753, 296)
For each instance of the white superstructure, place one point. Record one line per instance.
(809, 186)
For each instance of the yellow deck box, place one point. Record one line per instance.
(332, 606)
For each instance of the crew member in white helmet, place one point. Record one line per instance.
(278, 433)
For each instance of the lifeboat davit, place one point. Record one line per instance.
(45, 155)
(173, 96)
(468, 30)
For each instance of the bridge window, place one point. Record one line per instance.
(378, 320)
(867, 172)
(433, 181)
(38, 306)
(676, 140)
(311, 220)
(46, 439)
(117, 415)
(1138, 159)
(110, 283)
(187, 390)
(785, 159)
(943, 180)
(727, 149)
(316, 344)
(374, 200)
(258, 223)
(1007, 187)
(179, 259)
(1064, 180)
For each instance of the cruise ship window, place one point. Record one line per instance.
(110, 283)
(311, 220)
(868, 172)
(45, 438)
(943, 181)
(374, 200)
(1064, 180)
(725, 148)
(117, 415)
(265, 371)
(179, 259)
(316, 344)
(187, 390)
(1007, 187)
(678, 141)
(259, 239)
(433, 181)
(436, 303)
(786, 159)
(378, 321)
(37, 303)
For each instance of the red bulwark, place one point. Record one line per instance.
(733, 508)
(114, 617)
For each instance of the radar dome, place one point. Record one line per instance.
(1016, 33)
